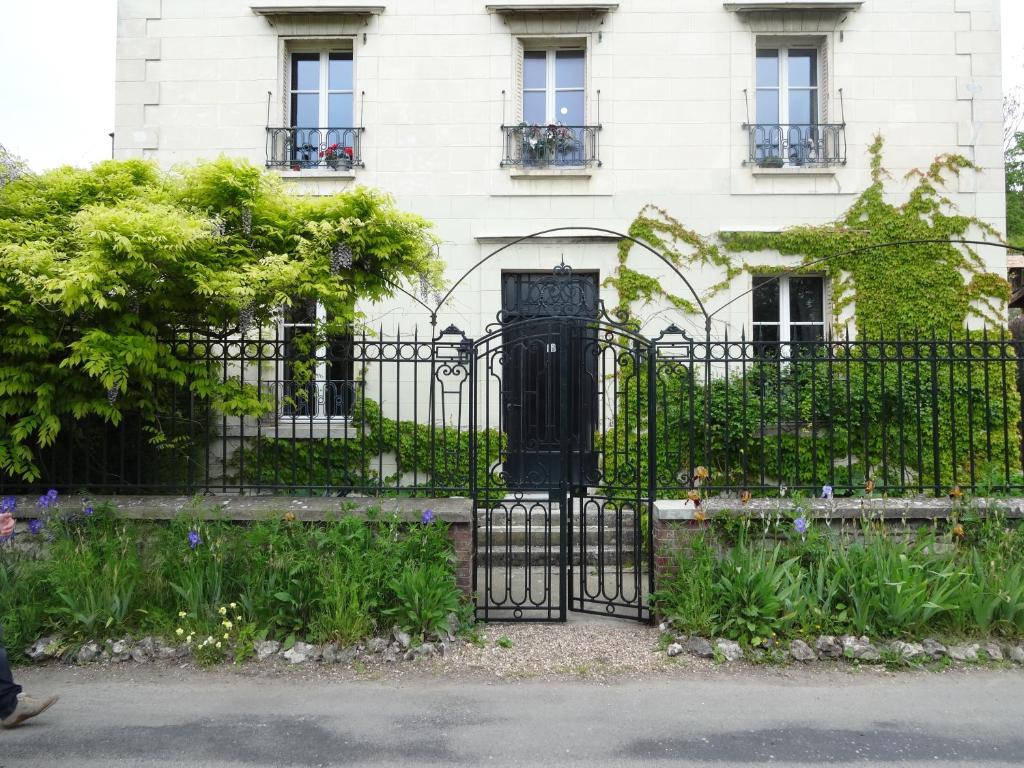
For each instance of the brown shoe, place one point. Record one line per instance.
(26, 709)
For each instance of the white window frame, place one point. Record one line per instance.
(323, 92)
(784, 47)
(785, 324)
(551, 89)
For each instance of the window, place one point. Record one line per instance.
(553, 90)
(788, 109)
(330, 389)
(552, 129)
(788, 309)
(321, 115)
(787, 86)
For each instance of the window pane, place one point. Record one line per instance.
(803, 69)
(535, 69)
(305, 71)
(569, 107)
(767, 68)
(305, 110)
(807, 333)
(340, 73)
(339, 106)
(766, 300)
(302, 311)
(806, 303)
(535, 107)
(803, 107)
(768, 106)
(569, 69)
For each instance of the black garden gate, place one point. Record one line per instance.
(560, 418)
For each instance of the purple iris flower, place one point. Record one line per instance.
(801, 525)
(44, 502)
(428, 516)
(826, 492)
(35, 526)
(193, 539)
(52, 495)
(7, 504)
(88, 511)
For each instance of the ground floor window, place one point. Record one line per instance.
(317, 375)
(789, 309)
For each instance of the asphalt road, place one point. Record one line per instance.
(153, 717)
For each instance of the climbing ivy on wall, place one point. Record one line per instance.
(913, 287)
(683, 247)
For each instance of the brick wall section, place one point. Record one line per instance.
(461, 535)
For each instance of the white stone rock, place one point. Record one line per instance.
(908, 651)
(828, 646)
(700, 646)
(964, 652)
(403, 639)
(266, 648)
(377, 645)
(994, 652)
(300, 653)
(674, 650)
(44, 648)
(89, 652)
(934, 648)
(729, 649)
(801, 651)
(1017, 654)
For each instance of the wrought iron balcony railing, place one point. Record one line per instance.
(774, 145)
(547, 146)
(302, 148)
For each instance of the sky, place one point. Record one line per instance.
(57, 88)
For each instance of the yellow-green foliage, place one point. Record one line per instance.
(100, 268)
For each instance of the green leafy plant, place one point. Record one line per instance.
(424, 598)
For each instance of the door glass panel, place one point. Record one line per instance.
(535, 107)
(305, 110)
(569, 107)
(803, 69)
(768, 106)
(807, 332)
(535, 69)
(802, 107)
(766, 300)
(339, 74)
(305, 71)
(767, 68)
(569, 69)
(339, 106)
(806, 303)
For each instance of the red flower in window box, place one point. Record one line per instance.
(336, 155)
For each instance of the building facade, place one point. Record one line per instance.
(499, 119)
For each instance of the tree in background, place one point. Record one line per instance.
(1013, 142)
(104, 271)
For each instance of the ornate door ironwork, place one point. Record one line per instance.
(561, 416)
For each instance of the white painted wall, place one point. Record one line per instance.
(193, 77)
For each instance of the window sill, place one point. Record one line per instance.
(318, 173)
(299, 428)
(516, 172)
(829, 170)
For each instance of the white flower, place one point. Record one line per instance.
(232, 606)
(218, 643)
(227, 624)
(223, 611)
(182, 614)
(227, 636)
(179, 632)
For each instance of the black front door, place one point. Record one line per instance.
(549, 383)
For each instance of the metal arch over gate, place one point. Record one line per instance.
(560, 417)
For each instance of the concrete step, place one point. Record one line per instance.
(537, 535)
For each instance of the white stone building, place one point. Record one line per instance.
(421, 90)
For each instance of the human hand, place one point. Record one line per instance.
(6, 524)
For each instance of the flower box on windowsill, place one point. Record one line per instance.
(771, 162)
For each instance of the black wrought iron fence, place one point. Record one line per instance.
(393, 415)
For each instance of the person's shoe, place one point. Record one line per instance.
(26, 709)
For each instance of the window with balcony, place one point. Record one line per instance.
(552, 131)
(789, 129)
(321, 131)
(317, 377)
(788, 310)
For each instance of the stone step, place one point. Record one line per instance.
(516, 555)
(537, 535)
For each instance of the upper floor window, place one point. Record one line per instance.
(552, 129)
(788, 309)
(788, 108)
(321, 113)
